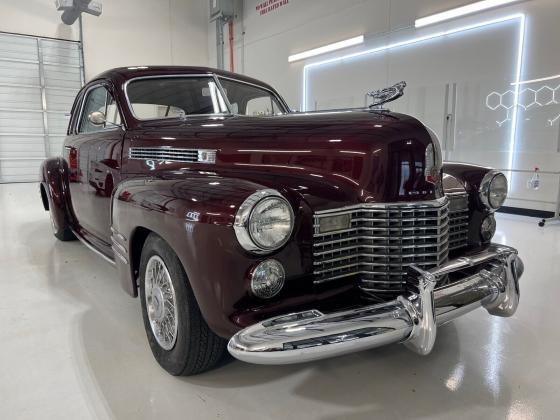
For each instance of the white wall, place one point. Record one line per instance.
(146, 32)
(262, 51)
(34, 17)
(129, 32)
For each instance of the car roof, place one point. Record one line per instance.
(123, 74)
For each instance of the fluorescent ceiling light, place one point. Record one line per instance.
(327, 48)
(542, 79)
(461, 11)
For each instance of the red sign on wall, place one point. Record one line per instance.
(270, 5)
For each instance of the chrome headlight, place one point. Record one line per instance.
(433, 159)
(264, 222)
(493, 190)
(488, 228)
(267, 279)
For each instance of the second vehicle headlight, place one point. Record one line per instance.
(264, 222)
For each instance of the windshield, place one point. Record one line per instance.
(177, 97)
(174, 97)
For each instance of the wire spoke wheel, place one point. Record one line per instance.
(161, 303)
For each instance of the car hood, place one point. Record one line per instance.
(329, 158)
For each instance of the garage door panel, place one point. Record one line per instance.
(24, 170)
(61, 76)
(35, 106)
(57, 52)
(21, 122)
(20, 98)
(60, 100)
(56, 143)
(18, 48)
(57, 123)
(19, 146)
(13, 73)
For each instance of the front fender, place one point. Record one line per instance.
(468, 177)
(195, 216)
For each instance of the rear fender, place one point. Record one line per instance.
(55, 187)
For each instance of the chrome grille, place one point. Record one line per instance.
(458, 220)
(173, 154)
(382, 242)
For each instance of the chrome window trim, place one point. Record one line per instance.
(169, 76)
(243, 215)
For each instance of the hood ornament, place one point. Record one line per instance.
(382, 96)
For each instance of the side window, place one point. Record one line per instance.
(113, 115)
(247, 99)
(98, 100)
(265, 105)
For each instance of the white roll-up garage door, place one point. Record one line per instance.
(39, 79)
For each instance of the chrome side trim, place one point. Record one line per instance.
(92, 248)
(411, 319)
(172, 154)
(118, 248)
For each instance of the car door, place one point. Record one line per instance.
(95, 151)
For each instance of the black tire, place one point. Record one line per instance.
(65, 235)
(542, 222)
(197, 348)
(62, 233)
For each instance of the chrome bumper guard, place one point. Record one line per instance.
(412, 319)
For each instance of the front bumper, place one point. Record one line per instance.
(492, 282)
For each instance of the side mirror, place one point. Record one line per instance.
(97, 118)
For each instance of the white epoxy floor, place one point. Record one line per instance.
(72, 346)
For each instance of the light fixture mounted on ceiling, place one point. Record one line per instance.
(461, 11)
(72, 9)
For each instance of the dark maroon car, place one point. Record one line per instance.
(295, 236)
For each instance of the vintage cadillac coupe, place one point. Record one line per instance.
(295, 236)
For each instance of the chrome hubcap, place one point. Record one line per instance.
(161, 303)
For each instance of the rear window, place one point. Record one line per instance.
(174, 97)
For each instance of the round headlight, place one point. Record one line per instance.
(267, 279)
(493, 190)
(264, 222)
(488, 228)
